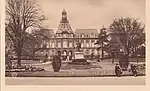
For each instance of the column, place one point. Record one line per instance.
(90, 43)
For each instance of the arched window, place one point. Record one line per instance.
(64, 52)
(80, 35)
(87, 35)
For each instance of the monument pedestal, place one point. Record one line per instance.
(79, 62)
(79, 58)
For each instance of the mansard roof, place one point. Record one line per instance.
(64, 27)
(86, 31)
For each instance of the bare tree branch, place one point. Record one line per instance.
(21, 15)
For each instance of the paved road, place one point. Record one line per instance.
(130, 80)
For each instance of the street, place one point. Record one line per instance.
(126, 80)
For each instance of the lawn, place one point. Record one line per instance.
(105, 68)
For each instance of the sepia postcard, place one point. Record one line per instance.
(74, 43)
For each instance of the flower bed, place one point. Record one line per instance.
(18, 71)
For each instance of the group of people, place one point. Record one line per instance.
(118, 70)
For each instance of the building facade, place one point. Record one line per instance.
(65, 40)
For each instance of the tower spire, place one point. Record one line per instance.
(64, 25)
(64, 12)
(64, 17)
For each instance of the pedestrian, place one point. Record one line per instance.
(133, 69)
(118, 70)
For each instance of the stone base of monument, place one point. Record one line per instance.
(79, 59)
(79, 62)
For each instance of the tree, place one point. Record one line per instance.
(92, 56)
(112, 48)
(21, 16)
(33, 44)
(129, 34)
(102, 40)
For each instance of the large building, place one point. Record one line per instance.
(65, 40)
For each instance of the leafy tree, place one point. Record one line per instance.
(112, 48)
(21, 16)
(129, 34)
(141, 51)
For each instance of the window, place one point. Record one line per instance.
(81, 44)
(44, 45)
(64, 44)
(87, 43)
(71, 35)
(53, 44)
(59, 44)
(70, 44)
(92, 35)
(65, 35)
(92, 50)
(93, 43)
(53, 52)
(81, 35)
(47, 45)
(80, 40)
(87, 35)
(87, 52)
(96, 52)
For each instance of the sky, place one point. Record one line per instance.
(90, 13)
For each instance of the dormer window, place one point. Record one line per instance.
(87, 35)
(81, 35)
(92, 35)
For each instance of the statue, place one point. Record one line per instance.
(78, 46)
(79, 56)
